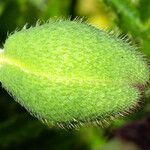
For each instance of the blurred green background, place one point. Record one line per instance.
(19, 130)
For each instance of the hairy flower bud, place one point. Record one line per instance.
(70, 73)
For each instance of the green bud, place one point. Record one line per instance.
(70, 73)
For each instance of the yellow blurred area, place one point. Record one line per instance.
(100, 21)
(96, 13)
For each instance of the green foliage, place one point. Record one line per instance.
(134, 19)
(74, 78)
(10, 135)
(128, 15)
